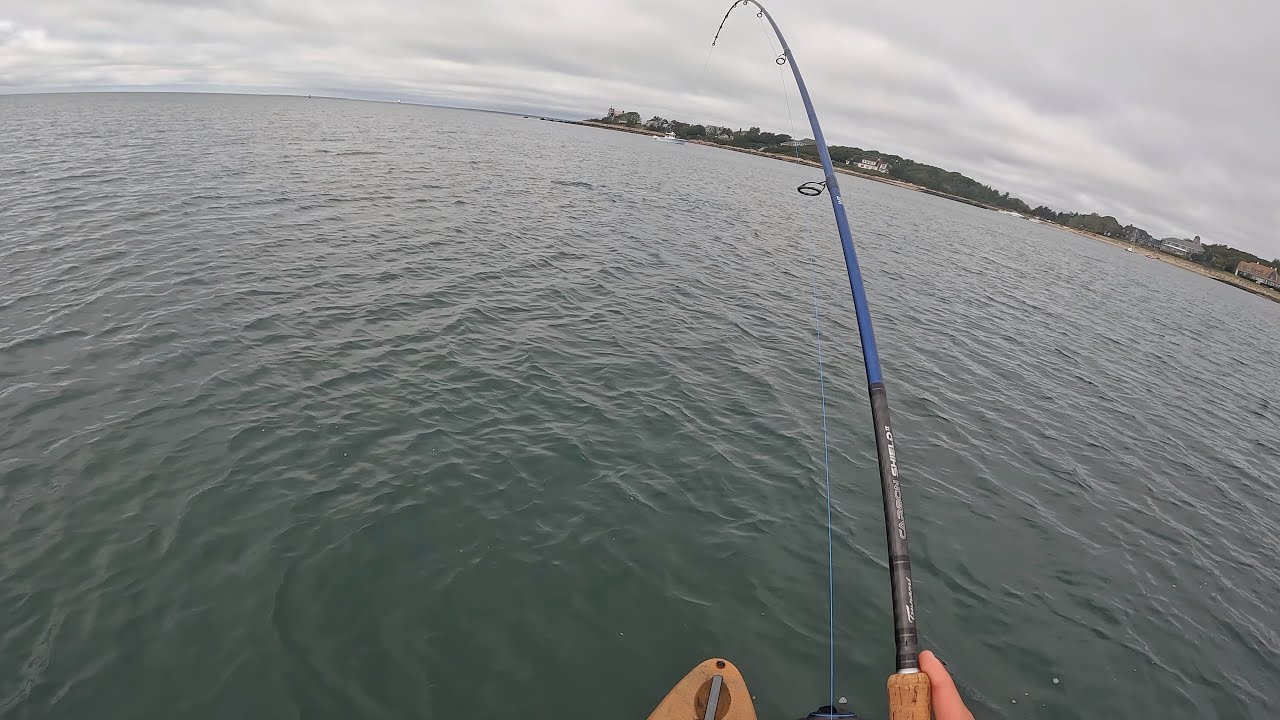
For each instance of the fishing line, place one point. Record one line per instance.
(812, 189)
(908, 688)
(702, 76)
(826, 467)
(780, 61)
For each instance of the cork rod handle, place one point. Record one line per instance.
(909, 697)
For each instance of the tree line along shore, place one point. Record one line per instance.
(1218, 261)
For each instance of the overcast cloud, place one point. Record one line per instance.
(1160, 112)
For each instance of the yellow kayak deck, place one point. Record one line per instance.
(714, 690)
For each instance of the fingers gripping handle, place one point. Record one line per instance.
(909, 697)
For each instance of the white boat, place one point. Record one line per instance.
(671, 138)
(1128, 249)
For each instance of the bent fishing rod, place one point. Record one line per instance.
(908, 687)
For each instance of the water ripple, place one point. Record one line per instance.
(334, 415)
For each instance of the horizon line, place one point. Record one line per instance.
(153, 91)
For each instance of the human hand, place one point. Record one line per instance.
(946, 700)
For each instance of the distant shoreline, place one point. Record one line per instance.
(1213, 274)
(805, 161)
(784, 158)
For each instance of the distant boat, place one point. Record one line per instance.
(671, 138)
(1151, 257)
(1128, 249)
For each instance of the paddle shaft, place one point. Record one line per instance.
(904, 614)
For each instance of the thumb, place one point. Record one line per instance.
(947, 703)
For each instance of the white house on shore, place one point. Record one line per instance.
(1259, 273)
(1182, 247)
(873, 165)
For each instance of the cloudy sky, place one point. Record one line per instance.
(1164, 113)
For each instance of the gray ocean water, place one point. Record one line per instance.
(328, 409)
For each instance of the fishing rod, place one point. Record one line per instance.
(908, 687)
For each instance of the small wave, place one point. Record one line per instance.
(365, 408)
(38, 341)
(348, 153)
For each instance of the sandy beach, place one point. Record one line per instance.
(1219, 275)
